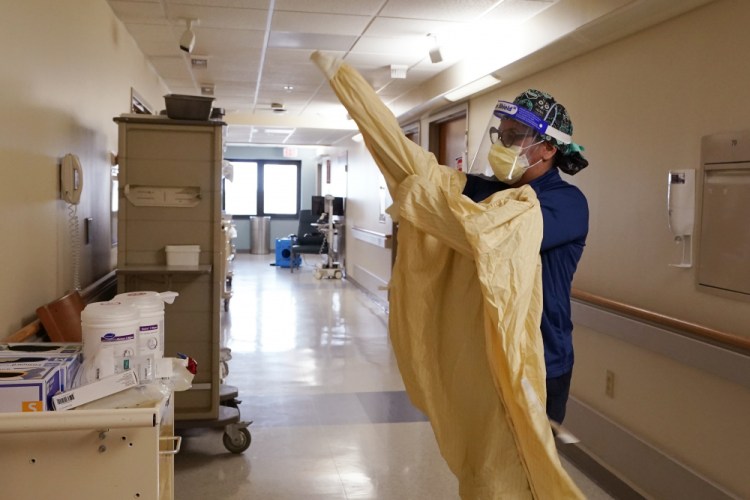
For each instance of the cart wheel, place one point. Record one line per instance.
(337, 275)
(317, 274)
(241, 444)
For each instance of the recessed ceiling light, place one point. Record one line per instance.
(288, 88)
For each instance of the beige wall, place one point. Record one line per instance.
(68, 69)
(367, 264)
(640, 107)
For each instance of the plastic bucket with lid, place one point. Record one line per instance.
(150, 306)
(111, 327)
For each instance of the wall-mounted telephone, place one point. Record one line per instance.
(71, 179)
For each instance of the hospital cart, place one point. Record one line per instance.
(114, 454)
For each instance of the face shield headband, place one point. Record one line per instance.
(505, 109)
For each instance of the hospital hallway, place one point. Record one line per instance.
(317, 376)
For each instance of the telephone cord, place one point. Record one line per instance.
(75, 244)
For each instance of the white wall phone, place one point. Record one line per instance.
(71, 179)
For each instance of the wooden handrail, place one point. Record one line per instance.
(715, 336)
(25, 333)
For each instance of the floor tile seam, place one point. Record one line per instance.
(338, 470)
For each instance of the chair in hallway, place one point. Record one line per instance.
(308, 239)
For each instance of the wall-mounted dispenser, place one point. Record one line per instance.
(681, 212)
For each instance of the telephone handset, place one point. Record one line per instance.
(71, 179)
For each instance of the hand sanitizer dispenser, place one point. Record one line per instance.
(681, 211)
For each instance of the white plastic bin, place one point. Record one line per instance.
(182, 255)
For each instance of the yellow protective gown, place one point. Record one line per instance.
(465, 309)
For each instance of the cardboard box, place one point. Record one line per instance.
(68, 365)
(69, 355)
(95, 390)
(29, 388)
(41, 348)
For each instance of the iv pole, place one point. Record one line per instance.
(330, 269)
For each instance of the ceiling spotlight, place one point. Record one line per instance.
(435, 55)
(187, 40)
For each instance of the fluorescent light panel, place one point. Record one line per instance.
(472, 88)
(280, 131)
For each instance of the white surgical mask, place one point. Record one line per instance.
(509, 164)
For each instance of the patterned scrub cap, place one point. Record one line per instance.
(554, 114)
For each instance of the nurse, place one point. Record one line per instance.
(529, 142)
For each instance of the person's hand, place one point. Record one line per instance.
(328, 64)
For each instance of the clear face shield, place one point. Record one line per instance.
(510, 134)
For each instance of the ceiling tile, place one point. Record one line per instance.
(248, 4)
(390, 26)
(219, 17)
(408, 49)
(282, 39)
(225, 42)
(138, 12)
(358, 7)
(447, 10)
(516, 11)
(331, 24)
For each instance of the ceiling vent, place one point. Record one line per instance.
(278, 107)
(199, 62)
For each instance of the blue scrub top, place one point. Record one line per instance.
(565, 216)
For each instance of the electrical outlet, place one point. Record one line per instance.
(609, 387)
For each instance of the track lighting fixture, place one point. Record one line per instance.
(187, 40)
(435, 55)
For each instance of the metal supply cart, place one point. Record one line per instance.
(170, 194)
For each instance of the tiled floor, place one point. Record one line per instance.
(317, 377)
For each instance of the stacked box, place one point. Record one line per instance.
(29, 386)
(45, 349)
(70, 354)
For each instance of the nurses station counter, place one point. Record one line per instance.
(114, 454)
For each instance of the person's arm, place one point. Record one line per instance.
(566, 218)
(396, 155)
(418, 185)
